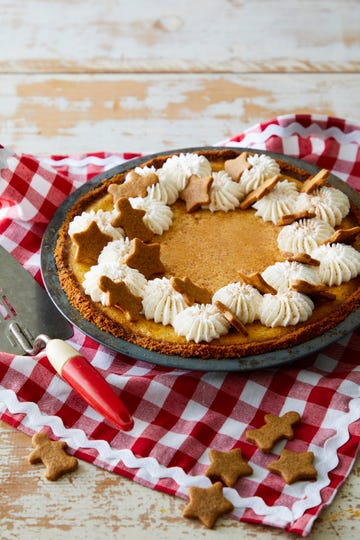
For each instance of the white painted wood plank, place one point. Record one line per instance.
(172, 36)
(148, 113)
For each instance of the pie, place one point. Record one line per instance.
(219, 253)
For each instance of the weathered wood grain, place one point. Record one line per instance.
(171, 36)
(55, 113)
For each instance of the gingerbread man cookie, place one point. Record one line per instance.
(52, 454)
(274, 429)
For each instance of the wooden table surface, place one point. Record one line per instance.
(140, 76)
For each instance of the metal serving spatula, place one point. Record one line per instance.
(29, 321)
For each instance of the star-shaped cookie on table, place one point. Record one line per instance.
(274, 429)
(294, 466)
(190, 291)
(197, 192)
(145, 258)
(227, 466)
(131, 220)
(235, 167)
(207, 504)
(89, 243)
(119, 295)
(135, 186)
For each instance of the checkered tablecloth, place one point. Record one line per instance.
(180, 415)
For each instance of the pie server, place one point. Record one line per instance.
(28, 317)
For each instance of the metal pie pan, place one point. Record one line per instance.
(245, 363)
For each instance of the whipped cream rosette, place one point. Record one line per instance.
(286, 308)
(262, 167)
(134, 280)
(116, 251)
(158, 215)
(161, 302)
(225, 194)
(103, 220)
(304, 236)
(200, 322)
(338, 263)
(242, 299)
(178, 169)
(328, 203)
(281, 275)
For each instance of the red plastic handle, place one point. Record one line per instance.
(96, 391)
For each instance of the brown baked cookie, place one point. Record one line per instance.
(319, 292)
(227, 466)
(235, 167)
(145, 258)
(303, 258)
(190, 291)
(294, 466)
(119, 295)
(315, 182)
(343, 236)
(207, 504)
(259, 192)
(89, 243)
(135, 186)
(274, 429)
(231, 318)
(197, 192)
(256, 280)
(52, 454)
(288, 219)
(131, 220)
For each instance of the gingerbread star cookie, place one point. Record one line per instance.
(190, 291)
(256, 280)
(315, 182)
(274, 429)
(197, 192)
(207, 504)
(52, 454)
(145, 258)
(131, 220)
(288, 219)
(294, 466)
(231, 318)
(119, 295)
(259, 192)
(343, 236)
(227, 466)
(319, 292)
(235, 167)
(89, 243)
(135, 186)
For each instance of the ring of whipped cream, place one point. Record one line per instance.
(204, 322)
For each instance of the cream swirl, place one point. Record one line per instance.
(280, 201)
(158, 216)
(200, 322)
(328, 203)
(225, 194)
(103, 220)
(161, 302)
(262, 167)
(116, 251)
(286, 308)
(135, 281)
(242, 299)
(282, 274)
(177, 169)
(304, 236)
(338, 263)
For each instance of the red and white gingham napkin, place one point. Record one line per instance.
(180, 415)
